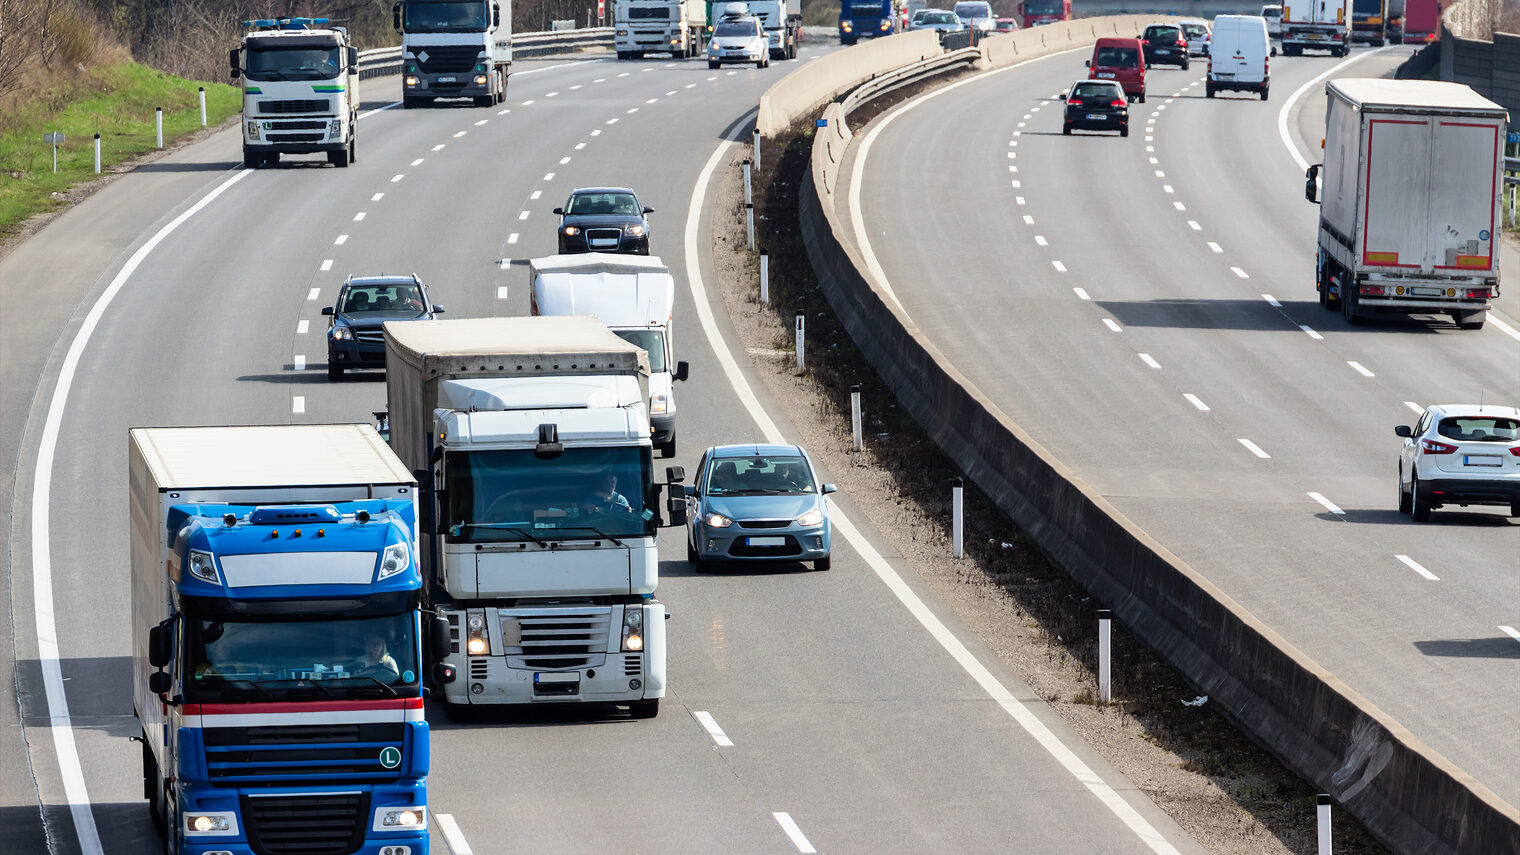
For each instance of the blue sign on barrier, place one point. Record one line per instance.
(823, 123)
(1512, 137)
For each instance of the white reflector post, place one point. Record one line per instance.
(1105, 657)
(957, 517)
(1324, 824)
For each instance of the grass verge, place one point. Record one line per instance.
(116, 102)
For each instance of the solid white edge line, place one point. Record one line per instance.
(792, 830)
(1510, 631)
(1287, 107)
(710, 724)
(59, 723)
(1329, 505)
(1415, 566)
(1506, 328)
(452, 836)
(1052, 744)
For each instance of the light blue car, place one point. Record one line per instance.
(757, 503)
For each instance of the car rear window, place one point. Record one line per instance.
(1164, 35)
(1117, 57)
(1193, 31)
(1479, 428)
(778, 474)
(1095, 90)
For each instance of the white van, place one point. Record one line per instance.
(1273, 16)
(1238, 55)
(634, 296)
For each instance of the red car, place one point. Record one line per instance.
(1123, 62)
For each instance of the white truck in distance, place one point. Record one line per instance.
(1409, 214)
(658, 26)
(782, 22)
(634, 295)
(300, 90)
(531, 445)
(454, 49)
(1316, 25)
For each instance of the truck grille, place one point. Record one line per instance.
(308, 105)
(306, 825)
(327, 752)
(294, 138)
(573, 638)
(439, 59)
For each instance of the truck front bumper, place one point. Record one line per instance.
(464, 84)
(287, 811)
(303, 135)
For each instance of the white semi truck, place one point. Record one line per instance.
(1316, 25)
(634, 295)
(454, 49)
(531, 442)
(1409, 199)
(300, 90)
(782, 22)
(658, 26)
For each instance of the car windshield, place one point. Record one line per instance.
(765, 474)
(444, 17)
(973, 10)
(919, 15)
(1094, 90)
(939, 18)
(1480, 428)
(653, 341)
(250, 660)
(296, 63)
(648, 13)
(734, 29)
(582, 494)
(381, 298)
(1271, 13)
(1117, 57)
(602, 203)
(1164, 35)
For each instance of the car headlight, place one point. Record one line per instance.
(636, 230)
(571, 230)
(401, 818)
(717, 520)
(214, 823)
(811, 518)
(633, 628)
(658, 404)
(396, 558)
(477, 642)
(202, 566)
(341, 333)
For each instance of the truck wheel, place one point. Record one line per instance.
(484, 100)
(271, 159)
(1141, 99)
(644, 709)
(251, 160)
(1469, 320)
(153, 787)
(1419, 509)
(338, 158)
(1208, 90)
(1348, 305)
(1514, 508)
(353, 149)
(334, 372)
(791, 50)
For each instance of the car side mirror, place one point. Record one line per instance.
(830, 488)
(438, 310)
(1311, 183)
(682, 371)
(1087, 62)
(560, 211)
(648, 210)
(1403, 430)
(690, 491)
(1065, 95)
(327, 310)
(232, 60)
(440, 639)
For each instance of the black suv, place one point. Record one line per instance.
(1165, 43)
(1096, 105)
(603, 219)
(355, 338)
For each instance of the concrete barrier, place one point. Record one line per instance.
(807, 87)
(1022, 45)
(1407, 795)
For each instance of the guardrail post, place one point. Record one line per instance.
(97, 154)
(801, 363)
(1324, 823)
(747, 198)
(855, 427)
(1105, 659)
(203, 106)
(749, 224)
(757, 148)
(765, 278)
(158, 125)
(957, 517)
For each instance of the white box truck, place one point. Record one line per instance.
(782, 22)
(1409, 199)
(530, 441)
(300, 90)
(658, 26)
(1316, 25)
(454, 49)
(634, 295)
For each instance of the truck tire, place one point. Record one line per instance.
(644, 709)
(409, 103)
(338, 158)
(1469, 320)
(1348, 303)
(1208, 90)
(251, 160)
(153, 787)
(485, 100)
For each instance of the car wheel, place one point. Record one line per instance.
(334, 372)
(1184, 65)
(1124, 130)
(1142, 98)
(1418, 508)
(1263, 93)
(1406, 503)
(711, 64)
(823, 564)
(644, 709)
(1066, 129)
(1514, 508)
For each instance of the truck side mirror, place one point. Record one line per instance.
(682, 370)
(159, 682)
(676, 507)
(443, 674)
(1403, 430)
(675, 474)
(232, 60)
(160, 645)
(353, 60)
(1311, 183)
(396, 17)
(440, 639)
(496, 14)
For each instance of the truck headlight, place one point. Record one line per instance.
(477, 642)
(401, 818)
(215, 823)
(717, 520)
(658, 404)
(341, 333)
(335, 128)
(481, 80)
(202, 566)
(846, 26)
(633, 628)
(811, 518)
(886, 25)
(396, 558)
(253, 130)
(410, 80)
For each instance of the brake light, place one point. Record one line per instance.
(1075, 102)
(1117, 103)
(1374, 290)
(1430, 446)
(1515, 450)
(1477, 294)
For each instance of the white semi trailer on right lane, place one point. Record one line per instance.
(1410, 185)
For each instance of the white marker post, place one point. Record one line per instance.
(55, 139)
(1105, 658)
(1324, 824)
(855, 416)
(749, 224)
(97, 154)
(203, 106)
(747, 198)
(765, 277)
(158, 124)
(801, 362)
(957, 517)
(757, 148)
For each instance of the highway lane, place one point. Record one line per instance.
(844, 714)
(1145, 308)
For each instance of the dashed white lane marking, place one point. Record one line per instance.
(1082, 293)
(303, 327)
(377, 197)
(452, 835)
(1149, 138)
(359, 217)
(1018, 200)
(1163, 106)
(712, 78)
(397, 177)
(597, 132)
(326, 264)
(501, 292)
(341, 239)
(1179, 206)
(523, 215)
(1060, 268)
(1415, 566)
(460, 134)
(652, 101)
(1418, 410)
(1510, 631)
(1193, 224)
(732, 73)
(527, 102)
(710, 724)
(512, 238)
(1254, 449)
(481, 122)
(1159, 173)
(689, 86)
(298, 362)
(1012, 155)
(579, 146)
(1149, 360)
(1215, 247)
(1196, 401)
(789, 825)
(1150, 149)
(1154, 161)
(1033, 110)
(1309, 331)
(1028, 220)
(1241, 273)
(440, 147)
(503, 112)
(600, 80)
(1360, 369)
(632, 110)
(1040, 239)
(298, 404)
(564, 160)
(646, 69)
(1016, 184)
(549, 176)
(1168, 188)
(575, 87)
(611, 121)
(1021, 124)
(550, 94)
(1012, 168)
(1329, 505)
(1112, 324)
(1271, 301)
(535, 194)
(313, 293)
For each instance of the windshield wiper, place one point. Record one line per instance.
(594, 530)
(252, 685)
(376, 681)
(458, 528)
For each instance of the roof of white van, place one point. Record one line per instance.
(1379, 92)
(621, 291)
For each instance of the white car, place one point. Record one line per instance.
(975, 15)
(1460, 454)
(1197, 34)
(738, 39)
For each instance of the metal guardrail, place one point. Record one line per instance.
(909, 75)
(383, 62)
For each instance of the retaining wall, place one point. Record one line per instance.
(1472, 53)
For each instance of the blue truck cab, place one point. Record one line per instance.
(865, 19)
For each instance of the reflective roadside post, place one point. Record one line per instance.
(747, 198)
(958, 516)
(757, 147)
(97, 154)
(855, 427)
(158, 125)
(55, 139)
(749, 224)
(765, 277)
(1105, 657)
(1323, 809)
(801, 362)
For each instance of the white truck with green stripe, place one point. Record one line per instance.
(300, 90)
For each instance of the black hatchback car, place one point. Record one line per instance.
(355, 338)
(1165, 43)
(1096, 105)
(603, 219)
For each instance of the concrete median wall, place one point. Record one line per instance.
(810, 85)
(1023, 45)
(1411, 798)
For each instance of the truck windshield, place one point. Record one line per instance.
(466, 17)
(864, 10)
(250, 661)
(652, 341)
(304, 63)
(648, 13)
(973, 10)
(1043, 7)
(583, 494)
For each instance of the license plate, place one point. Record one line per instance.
(556, 677)
(1096, 116)
(1220, 75)
(1104, 74)
(1313, 36)
(1426, 292)
(604, 242)
(447, 80)
(767, 541)
(1482, 460)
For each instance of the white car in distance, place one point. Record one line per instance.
(1460, 454)
(738, 37)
